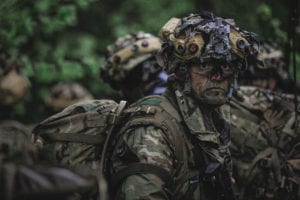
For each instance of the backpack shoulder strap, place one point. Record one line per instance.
(118, 112)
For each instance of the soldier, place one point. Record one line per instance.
(175, 146)
(273, 75)
(265, 140)
(263, 127)
(130, 66)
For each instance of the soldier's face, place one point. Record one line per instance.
(210, 83)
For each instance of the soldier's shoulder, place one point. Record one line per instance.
(156, 104)
(152, 100)
(150, 104)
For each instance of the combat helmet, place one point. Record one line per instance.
(13, 85)
(65, 94)
(273, 58)
(274, 65)
(130, 65)
(201, 38)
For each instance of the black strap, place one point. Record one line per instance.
(74, 137)
(142, 168)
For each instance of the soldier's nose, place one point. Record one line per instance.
(216, 77)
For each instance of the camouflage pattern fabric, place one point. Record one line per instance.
(75, 136)
(263, 129)
(148, 145)
(204, 152)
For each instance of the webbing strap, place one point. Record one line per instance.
(263, 154)
(91, 119)
(141, 168)
(119, 109)
(251, 174)
(74, 137)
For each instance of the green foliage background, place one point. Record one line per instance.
(65, 40)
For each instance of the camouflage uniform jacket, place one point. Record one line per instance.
(262, 128)
(259, 119)
(170, 150)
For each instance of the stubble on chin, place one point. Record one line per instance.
(203, 94)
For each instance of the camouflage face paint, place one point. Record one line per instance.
(210, 85)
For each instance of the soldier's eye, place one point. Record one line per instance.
(205, 67)
(226, 68)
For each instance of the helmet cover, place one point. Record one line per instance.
(199, 38)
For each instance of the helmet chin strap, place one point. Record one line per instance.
(234, 86)
(187, 89)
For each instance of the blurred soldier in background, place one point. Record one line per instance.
(273, 75)
(131, 67)
(23, 177)
(264, 127)
(265, 133)
(65, 94)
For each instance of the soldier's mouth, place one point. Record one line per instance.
(215, 91)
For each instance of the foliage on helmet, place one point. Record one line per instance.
(199, 38)
(126, 54)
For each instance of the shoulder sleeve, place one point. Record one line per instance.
(147, 146)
